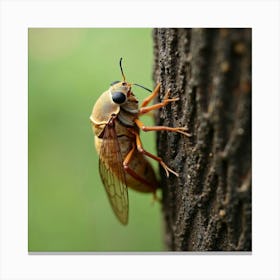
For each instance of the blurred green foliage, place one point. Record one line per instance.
(68, 209)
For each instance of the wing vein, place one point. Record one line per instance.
(112, 172)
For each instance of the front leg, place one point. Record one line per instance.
(147, 100)
(144, 110)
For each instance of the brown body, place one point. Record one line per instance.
(138, 163)
(122, 159)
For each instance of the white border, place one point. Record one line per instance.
(17, 16)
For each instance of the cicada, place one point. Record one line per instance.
(122, 159)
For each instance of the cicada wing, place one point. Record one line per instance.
(113, 174)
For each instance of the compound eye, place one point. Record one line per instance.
(118, 97)
(113, 83)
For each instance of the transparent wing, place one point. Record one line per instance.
(112, 172)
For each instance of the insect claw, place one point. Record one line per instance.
(175, 173)
(166, 95)
(166, 98)
(183, 130)
(167, 170)
(171, 99)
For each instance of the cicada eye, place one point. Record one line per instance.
(113, 83)
(118, 97)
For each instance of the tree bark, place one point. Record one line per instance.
(208, 207)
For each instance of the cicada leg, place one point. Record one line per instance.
(147, 100)
(131, 172)
(181, 130)
(158, 159)
(144, 110)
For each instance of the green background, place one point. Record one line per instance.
(68, 209)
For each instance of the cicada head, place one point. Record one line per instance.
(119, 95)
(109, 102)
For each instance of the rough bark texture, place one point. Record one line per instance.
(208, 207)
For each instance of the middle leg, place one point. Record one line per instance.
(181, 130)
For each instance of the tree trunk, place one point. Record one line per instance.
(208, 207)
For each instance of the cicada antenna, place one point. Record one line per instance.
(143, 87)
(133, 83)
(122, 69)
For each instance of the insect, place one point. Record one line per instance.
(122, 159)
